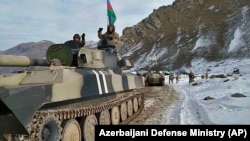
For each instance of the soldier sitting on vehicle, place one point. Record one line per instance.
(108, 39)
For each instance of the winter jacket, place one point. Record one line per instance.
(74, 45)
(113, 36)
(171, 76)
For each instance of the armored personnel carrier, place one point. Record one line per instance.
(65, 95)
(153, 78)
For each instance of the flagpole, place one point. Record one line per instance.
(108, 20)
(107, 13)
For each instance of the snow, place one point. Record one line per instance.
(223, 109)
(237, 41)
(132, 50)
(211, 8)
(202, 42)
(141, 61)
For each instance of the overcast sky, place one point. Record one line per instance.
(57, 20)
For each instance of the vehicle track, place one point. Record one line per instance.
(58, 117)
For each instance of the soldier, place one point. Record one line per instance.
(110, 35)
(177, 78)
(171, 77)
(206, 75)
(191, 77)
(77, 42)
(202, 76)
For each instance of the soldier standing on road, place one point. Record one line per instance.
(171, 77)
(191, 77)
(206, 76)
(177, 78)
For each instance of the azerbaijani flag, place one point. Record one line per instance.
(168, 67)
(110, 13)
(152, 58)
(180, 71)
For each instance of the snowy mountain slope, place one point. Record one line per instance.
(213, 30)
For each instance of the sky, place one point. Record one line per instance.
(58, 20)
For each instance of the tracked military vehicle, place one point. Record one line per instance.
(153, 78)
(65, 95)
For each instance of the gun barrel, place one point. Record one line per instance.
(21, 61)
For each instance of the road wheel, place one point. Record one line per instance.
(71, 131)
(89, 127)
(50, 130)
(104, 118)
(123, 110)
(130, 108)
(115, 116)
(135, 104)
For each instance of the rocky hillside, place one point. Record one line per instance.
(188, 29)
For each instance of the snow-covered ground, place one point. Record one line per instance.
(222, 108)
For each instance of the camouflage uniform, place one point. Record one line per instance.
(110, 36)
(191, 77)
(206, 75)
(171, 78)
(177, 78)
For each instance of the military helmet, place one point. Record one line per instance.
(76, 36)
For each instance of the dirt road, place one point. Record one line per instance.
(158, 102)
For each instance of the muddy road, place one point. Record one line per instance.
(159, 100)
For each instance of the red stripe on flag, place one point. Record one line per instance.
(109, 5)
